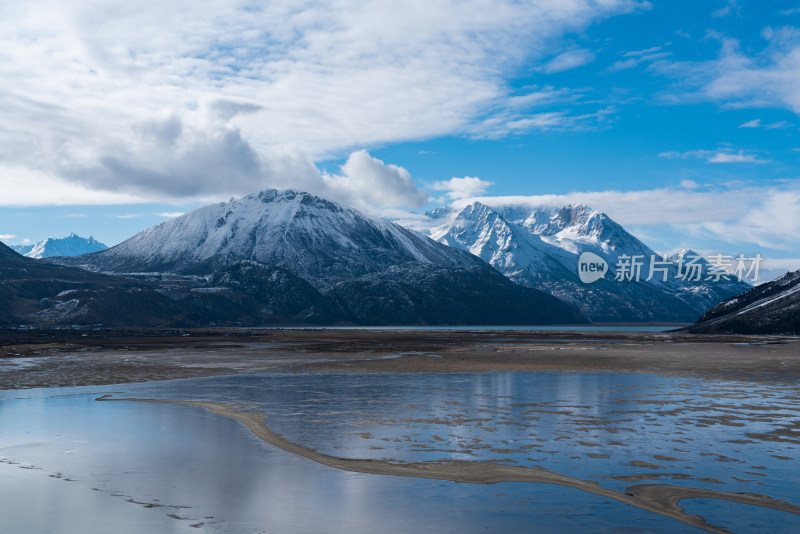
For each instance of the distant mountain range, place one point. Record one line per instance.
(72, 245)
(540, 246)
(770, 308)
(276, 257)
(292, 257)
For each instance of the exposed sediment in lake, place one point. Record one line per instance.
(663, 499)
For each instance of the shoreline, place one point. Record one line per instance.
(117, 360)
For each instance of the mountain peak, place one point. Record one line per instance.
(540, 245)
(577, 216)
(72, 245)
(679, 254)
(316, 238)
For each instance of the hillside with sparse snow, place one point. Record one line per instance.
(770, 308)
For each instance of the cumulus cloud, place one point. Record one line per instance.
(175, 168)
(152, 99)
(370, 184)
(24, 187)
(462, 187)
(364, 182)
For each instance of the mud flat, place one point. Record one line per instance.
(28, 361)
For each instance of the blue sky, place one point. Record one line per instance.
(677, 118)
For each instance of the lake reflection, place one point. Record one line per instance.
(200, 471)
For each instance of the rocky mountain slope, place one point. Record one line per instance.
(427, 294)
(770, 308)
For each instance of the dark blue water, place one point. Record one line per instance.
(615, 429)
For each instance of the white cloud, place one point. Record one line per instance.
(731, 157)
(370, 184)
(637, 57)
(755, 123)
(4, 237)
(364, 182)
(766, 78)
(571, 59)
(510, 123)
(171, 214)
(780, 125)
(462, 187)
(675, 206)
(767, 225)
(732, 8)
(148, 99)
(689, 184)
(715, 156)
(781, 264)
(25, 187)
(765, 216)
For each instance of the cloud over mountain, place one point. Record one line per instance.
(180, 98)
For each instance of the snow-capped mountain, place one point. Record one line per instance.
(72, 245)
(317, 239)
(540, 247)
(770, 308)
(368, 270)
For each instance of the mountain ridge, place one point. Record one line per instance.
(539, 246)
(769, 308)
(317, 239)
(358, 268)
